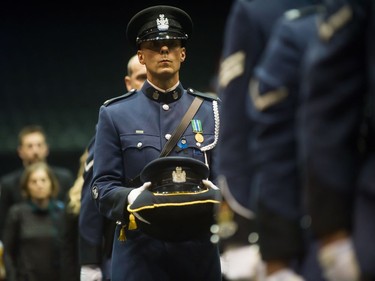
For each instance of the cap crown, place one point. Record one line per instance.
(159, 23)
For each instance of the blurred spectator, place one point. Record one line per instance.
(32, 245)
(32, 148)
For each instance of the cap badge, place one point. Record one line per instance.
(162, 23)
(179, 175)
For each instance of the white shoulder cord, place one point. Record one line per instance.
(216, 137)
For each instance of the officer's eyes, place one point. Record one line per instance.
(157, 44)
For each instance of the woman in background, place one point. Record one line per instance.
(32, 247)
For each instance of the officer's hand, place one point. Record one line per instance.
(209, 184)
(284, 275)
(91, 273)
(338, 261)
(136, 191)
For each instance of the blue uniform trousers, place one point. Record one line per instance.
(143, 258)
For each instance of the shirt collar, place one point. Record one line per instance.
(164, 96)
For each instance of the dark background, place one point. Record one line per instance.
(60, 60)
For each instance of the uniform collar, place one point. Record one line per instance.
(163, 97)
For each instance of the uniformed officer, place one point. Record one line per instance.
(274, 97)
(132, 131)
(248, 29)
(337, 130)
(95, 231)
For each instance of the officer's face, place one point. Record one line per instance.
(162, 57)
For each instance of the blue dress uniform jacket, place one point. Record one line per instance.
(337, 127)
(131, 132)
(275, 94)
(247, 32)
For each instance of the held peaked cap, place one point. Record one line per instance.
(175, 174)
(159, 23)
(177, 206)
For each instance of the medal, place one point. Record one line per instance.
(197, 129)
(199, 137)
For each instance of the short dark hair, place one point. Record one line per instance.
(29, 129)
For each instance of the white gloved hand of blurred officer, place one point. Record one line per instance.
(137, 191)
(338, 261)
(91, 273)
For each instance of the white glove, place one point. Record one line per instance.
(284, 275)
(338, 261)
(91, 273)
(240, 263)
(209, 184)
(136, 191)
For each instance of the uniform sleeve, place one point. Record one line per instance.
(331, 115)
(280, 191)
(90, 219)
(108, 170)
(239, 53)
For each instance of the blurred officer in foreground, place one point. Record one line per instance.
(93, 226)
(337, 131)
(248, 29)
(132, 131)
(274, 97)
(32, 148)
(247, 32)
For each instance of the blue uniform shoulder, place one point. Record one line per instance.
(207, 96)
(128, 94)
(295, 14)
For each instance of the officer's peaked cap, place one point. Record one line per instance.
(159, 23)
(160, 170)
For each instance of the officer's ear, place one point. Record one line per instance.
(183, 54)
(140, 57)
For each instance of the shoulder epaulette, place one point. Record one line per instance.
(128, 94)
(208, 95)
(294, 14)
